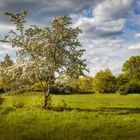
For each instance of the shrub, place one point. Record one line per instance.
(134, 87)
(62, 89)
(123, 90)
(34, 87)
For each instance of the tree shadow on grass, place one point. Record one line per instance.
(112, 110)
(121, 110)
(1, 100)
(5, 110)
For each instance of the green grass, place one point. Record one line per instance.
(93, 117)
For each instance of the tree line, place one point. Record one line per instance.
(103, 82)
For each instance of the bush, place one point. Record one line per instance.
(131, 87)
(2, 90)
(134, 87)
(123, 89)
(34, 87)
(62, 89)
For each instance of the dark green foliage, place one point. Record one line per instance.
(62, 89)
(128, 87)
(129, 81)
(134, 87)
(123, 89)
(122, 84)
(132, 66)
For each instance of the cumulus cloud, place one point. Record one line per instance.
(137, 35)
(5, 29)
(104, 53)
(111, 26)
(6, 49)
(103, 23)
(134, 47)
(102, 31)
(112, 9)
(90, 30)
(116, 69)
(110, 16)
(43, 10)
(108, 19)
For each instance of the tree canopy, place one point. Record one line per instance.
(45, 53)
(132, 67)
(104, 82)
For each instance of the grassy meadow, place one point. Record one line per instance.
(87, 117)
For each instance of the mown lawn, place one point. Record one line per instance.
(91, 117)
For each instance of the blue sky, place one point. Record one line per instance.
(111, 28)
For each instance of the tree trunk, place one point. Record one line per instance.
(46, 98)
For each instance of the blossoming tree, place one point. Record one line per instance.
(45, 53)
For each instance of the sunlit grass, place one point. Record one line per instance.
(92, 117)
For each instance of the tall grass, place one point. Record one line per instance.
(92, 117)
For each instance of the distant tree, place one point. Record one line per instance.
(45, 53)
(85, 84)
(104, 82)
(122, 79)
(132, 67)
(4, 78)
(7, 61)
(129, 80)
(122, 84)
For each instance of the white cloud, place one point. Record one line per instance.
(110, 15)
(137, 35)
(108, 19)
(92, 31)
(111, 9)
(102, 23)
(7, 49)
(84, 22)
(116, 69)
(134, 47)
(4, 28)
(111, 26)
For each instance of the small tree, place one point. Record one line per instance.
(45, 53)
(7, 62)
(104, 82)
(85, 84)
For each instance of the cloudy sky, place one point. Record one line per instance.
(111, 28)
